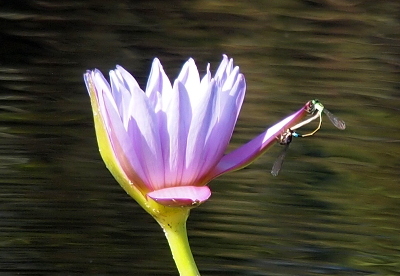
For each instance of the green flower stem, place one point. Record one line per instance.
(174, 226)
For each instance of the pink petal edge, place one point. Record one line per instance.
(183, 196)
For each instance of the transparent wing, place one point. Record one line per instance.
(340, 124)
(279, 161)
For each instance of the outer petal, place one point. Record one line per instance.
(106, 150)
(122, 144)
(247, 153)
(183, 196)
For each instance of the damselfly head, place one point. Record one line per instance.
(310, 107)
(314, 105)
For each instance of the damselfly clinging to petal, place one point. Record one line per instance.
(315, 108)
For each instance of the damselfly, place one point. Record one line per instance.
(318, 107)
(285, 139)
(340, 124)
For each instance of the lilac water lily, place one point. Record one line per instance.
(165, 144)
(170, 140)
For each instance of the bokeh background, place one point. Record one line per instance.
(333, 210)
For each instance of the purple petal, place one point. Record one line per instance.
(119, 138)
(121, 94)
(126, 78)
(107, 110)
(189, 77)
(183, 196)
(247, 153)
(221, 73)
(207, 77)
(142, 128)
(174, 124)
(226, 113)
(133, 134)
(202, 112)
(158, 83)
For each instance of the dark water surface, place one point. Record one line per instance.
(333, 210)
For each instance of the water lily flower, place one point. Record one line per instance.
(165, 144)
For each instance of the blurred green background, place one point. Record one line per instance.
(333, 210)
